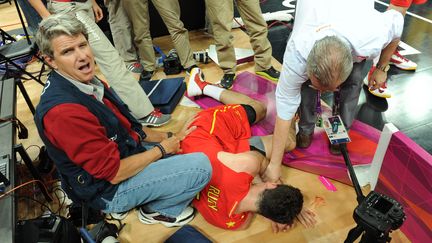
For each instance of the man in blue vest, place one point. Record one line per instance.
(104, 156)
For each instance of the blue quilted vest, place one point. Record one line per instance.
(78, 183)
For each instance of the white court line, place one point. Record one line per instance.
(409, 13)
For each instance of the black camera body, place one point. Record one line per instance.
(171, 63)
(379, 214)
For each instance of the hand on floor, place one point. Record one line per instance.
(307, 218)
(277, 227)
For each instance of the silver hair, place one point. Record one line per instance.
(57, 25)
(330, 61)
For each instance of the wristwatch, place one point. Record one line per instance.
(383, 68)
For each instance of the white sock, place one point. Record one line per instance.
(213, 91)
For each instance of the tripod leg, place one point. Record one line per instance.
(353, 234)
(25, 95)
(375, 237)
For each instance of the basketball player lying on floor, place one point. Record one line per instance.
(223, 133)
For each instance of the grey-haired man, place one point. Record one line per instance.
(328, 37)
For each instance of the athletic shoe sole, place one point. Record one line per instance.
(152, 124)
(189, 214)
(266, 76)
(402, 67)
(382, 93)
(192, 88)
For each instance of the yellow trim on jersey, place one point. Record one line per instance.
(220, 110)
(232, 209)
(214, 121)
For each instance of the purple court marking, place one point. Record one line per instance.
(327, 183)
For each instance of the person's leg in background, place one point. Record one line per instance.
(349, 95)
(169, 10)
(220, 14)
(198, 86)
(307, 114)
(137, 11)
(250, 12)
(32, 17)
(121, 30)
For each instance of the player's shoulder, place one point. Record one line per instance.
(247, 162)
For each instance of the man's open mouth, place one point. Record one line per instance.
(85, 67)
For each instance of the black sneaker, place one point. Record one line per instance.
(155, 119)
(189, 69)
(303, 140)
(227, 80)
(153, 218)
(270, 74)
(146, 75)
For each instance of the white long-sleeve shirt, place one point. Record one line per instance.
(364, 29)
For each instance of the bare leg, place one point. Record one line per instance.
(198, 86)
(231, 97)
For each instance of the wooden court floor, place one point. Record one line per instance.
(333, 209)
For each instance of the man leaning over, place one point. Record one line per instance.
(319, 57)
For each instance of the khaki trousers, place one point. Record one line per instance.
(137, 11)
(169, 10)
(121, 30)
(221, 14)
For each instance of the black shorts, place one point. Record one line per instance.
(250, 113)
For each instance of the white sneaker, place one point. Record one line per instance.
(196, 83)
(382, 92)
(153, 218)
(401, 62)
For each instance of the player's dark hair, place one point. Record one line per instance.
(281, 204)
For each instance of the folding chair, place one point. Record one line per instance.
(12, 51)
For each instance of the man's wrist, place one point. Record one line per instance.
(383, 68)
(162, 149)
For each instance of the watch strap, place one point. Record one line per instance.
(383, 68)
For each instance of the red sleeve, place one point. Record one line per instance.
(77, 132)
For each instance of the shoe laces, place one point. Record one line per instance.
(396, 53)
(136, 65)
(156, 113)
